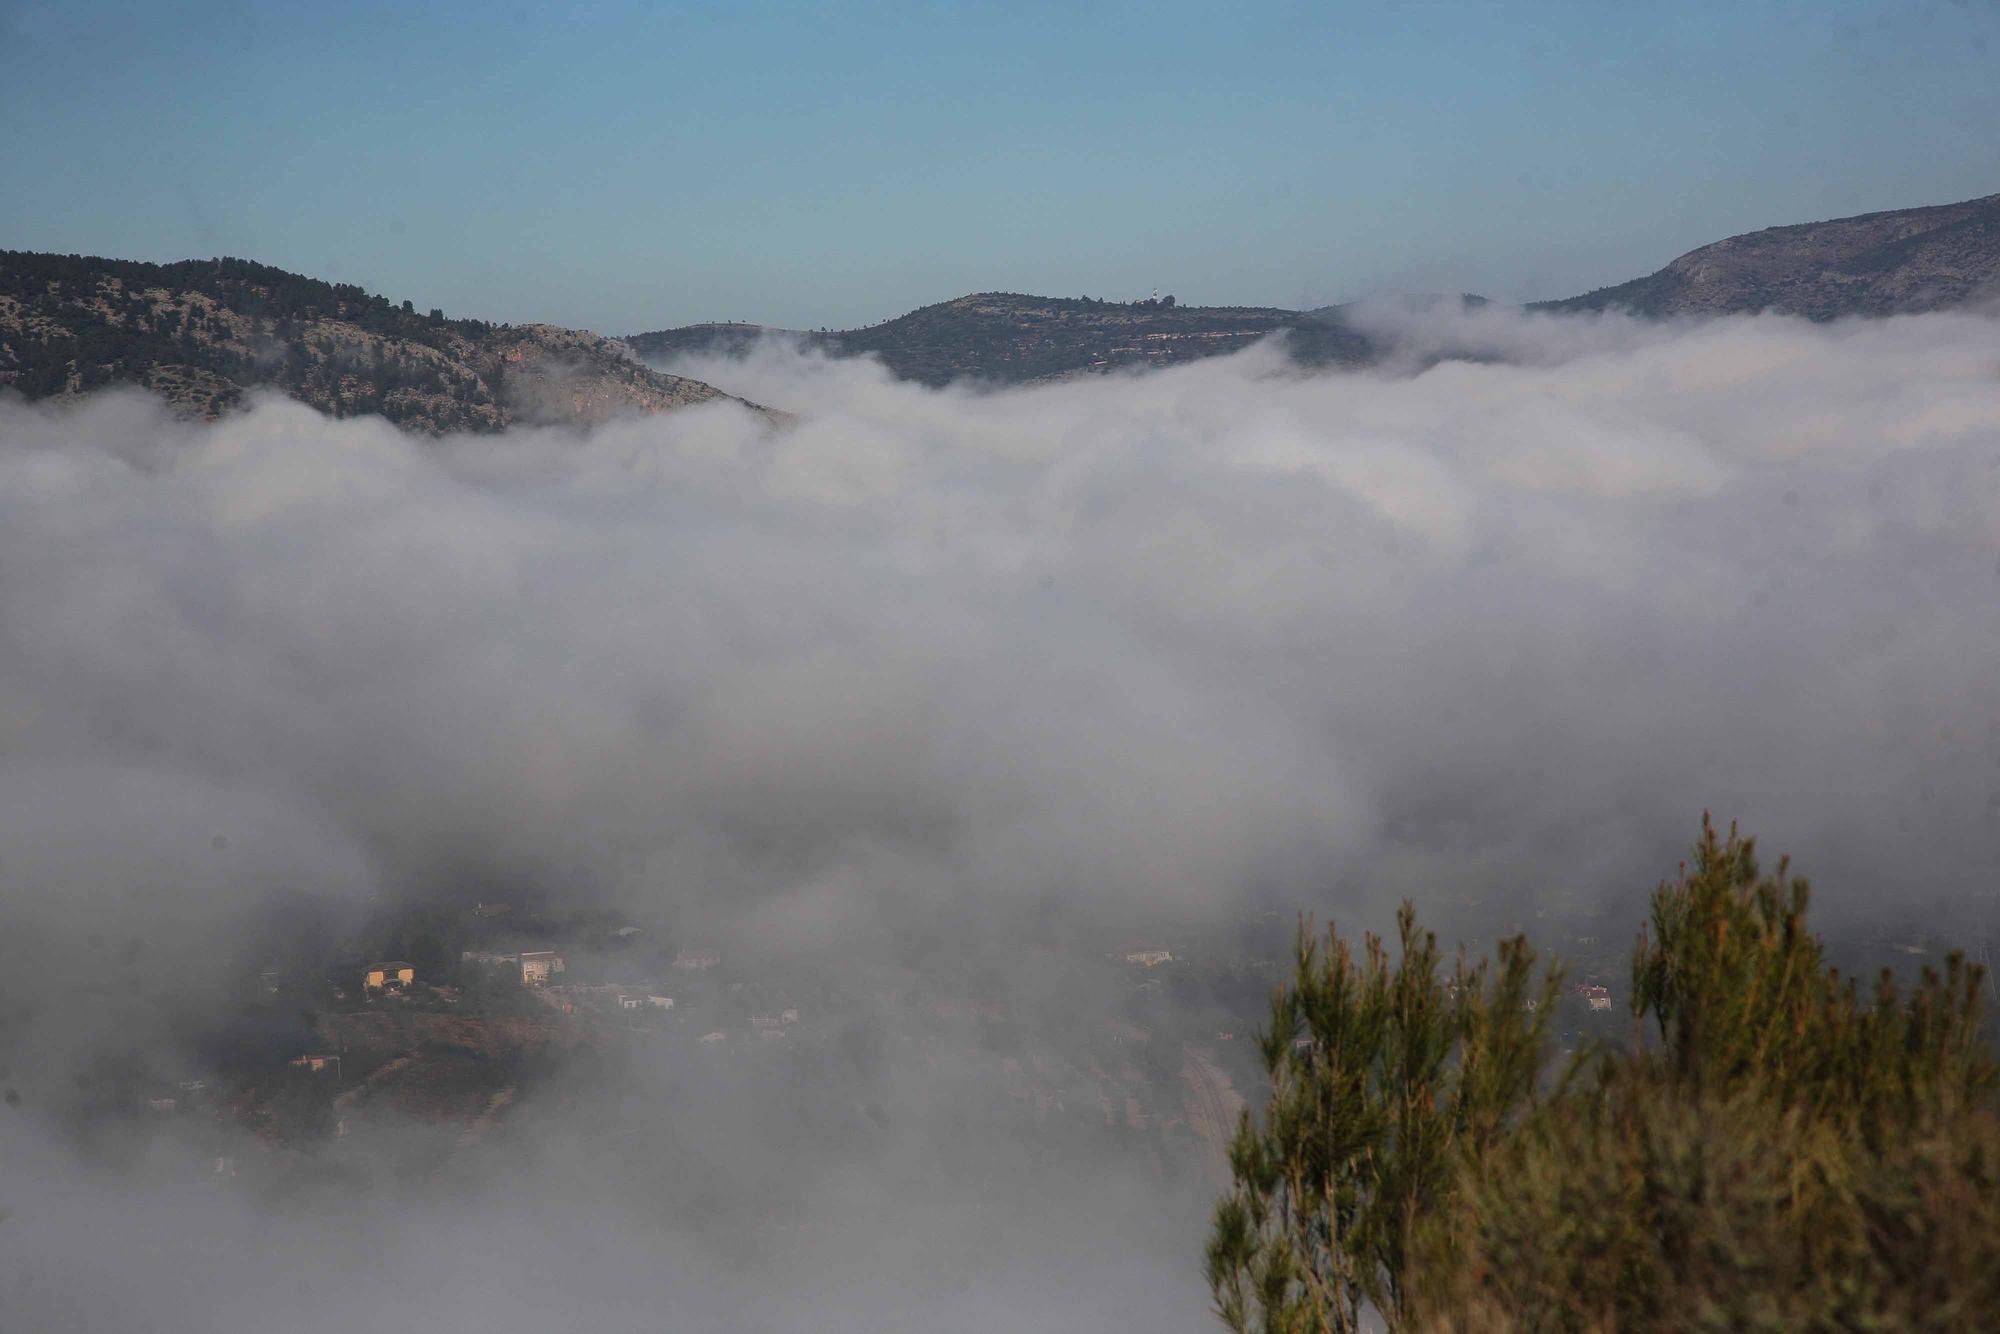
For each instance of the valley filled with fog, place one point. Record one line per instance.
(929, 716)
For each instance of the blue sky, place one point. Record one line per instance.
(625, 167)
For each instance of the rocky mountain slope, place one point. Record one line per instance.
(1899, 262)
(203, 332)
(1009, 338)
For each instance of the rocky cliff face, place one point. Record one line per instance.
(1900, 262)
(203, 333)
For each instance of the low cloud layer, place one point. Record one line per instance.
(1126, 652)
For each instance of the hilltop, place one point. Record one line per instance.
(1899, 262)
(1011, 338)
(202, 333)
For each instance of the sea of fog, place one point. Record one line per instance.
(931, 674)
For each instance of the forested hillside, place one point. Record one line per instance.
(202, 333)
(1009, 338)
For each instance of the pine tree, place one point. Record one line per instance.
(1771, 1150)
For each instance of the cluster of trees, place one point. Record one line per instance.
(1773, 1149)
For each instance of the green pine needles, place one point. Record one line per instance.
(1772, 1151)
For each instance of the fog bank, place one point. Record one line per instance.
(940, 674)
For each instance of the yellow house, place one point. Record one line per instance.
(537, 965)
(392, 974)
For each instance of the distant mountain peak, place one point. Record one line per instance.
(1896, 262)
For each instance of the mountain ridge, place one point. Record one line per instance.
(203, 333)
(1891, 262)
(1019, 338)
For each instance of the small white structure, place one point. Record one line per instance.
(696, 961)
(661, 1002)
(1149, 958)
(630, 1002)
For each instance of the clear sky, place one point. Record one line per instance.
(626, 167)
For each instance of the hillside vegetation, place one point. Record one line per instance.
(204, 332)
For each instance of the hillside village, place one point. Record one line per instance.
(479, 1015)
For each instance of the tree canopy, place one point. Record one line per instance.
(1773, 1149)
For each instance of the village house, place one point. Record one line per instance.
(316, 1062)
(661, 1002)
(538, 965)
(1599, 997)
(1148, 958)
(392, 975)
(696, 961)
(630, 1002)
